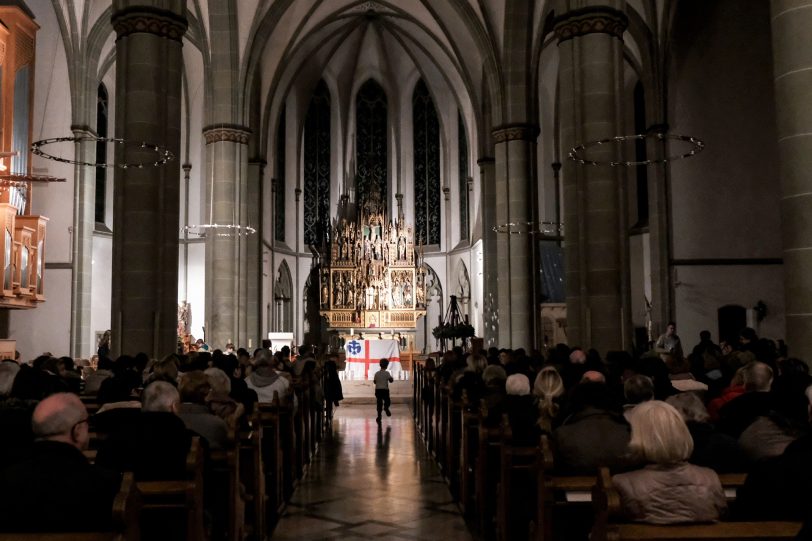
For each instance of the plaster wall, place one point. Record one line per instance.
(700, 291)
(47, 327)
(725, 201)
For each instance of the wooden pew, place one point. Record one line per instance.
(252, 477)
(126, 509)
(279, 454)
(223, 495)
(453, 442)
(516, 492)
(489, 451)
(608, 509)
(468, 455)
(164, 499)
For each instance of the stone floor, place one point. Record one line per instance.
(372, 481)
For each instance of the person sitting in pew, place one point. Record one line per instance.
(595, 434)
(522, 411)
(266, 380)
(55, 488)
(668, 490)
(194, 389)
(155, 444)
(778, 488)
(712, 448)
(219, 400)
(548, 389)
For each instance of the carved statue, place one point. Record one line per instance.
(420, 296)
(325, 295)
(338, 296)
(401, 249)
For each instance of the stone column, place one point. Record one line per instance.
(490, 294)
(590, 74)
(256, 169)
(226, 253)
(792, 62)
(84, 222)
(149, 64)
(514, 149)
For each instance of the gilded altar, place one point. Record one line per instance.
(371, 276)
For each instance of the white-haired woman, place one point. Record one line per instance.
(668, 489)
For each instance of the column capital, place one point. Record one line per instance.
(83, 130)
(590, 20)
(515, 132)
(233, 133)
(149, 20)
(486, 160)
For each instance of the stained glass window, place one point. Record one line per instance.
(317, 168)
(426, 166)
(463, 152)
(279, 205)
(370, 142)
(101, 152)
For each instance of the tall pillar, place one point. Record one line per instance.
(256, 169)
(792, 62)
(490, 294)
(590, 74)
(514, 152)
(149, 65)
(84, 222)
(226, 249)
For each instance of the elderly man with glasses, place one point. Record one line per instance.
(55, 488)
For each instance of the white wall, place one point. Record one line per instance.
(102, 286)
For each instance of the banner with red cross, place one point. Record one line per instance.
(363, 357)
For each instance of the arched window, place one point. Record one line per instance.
(317, 168)
(370, 142)
(426, 166)
(101, 152)
(279, 187)
(463, 183)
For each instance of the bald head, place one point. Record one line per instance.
(593, 376)
(61, 417)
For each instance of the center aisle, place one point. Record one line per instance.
(371, 481)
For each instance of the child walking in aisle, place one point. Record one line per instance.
(382, 380)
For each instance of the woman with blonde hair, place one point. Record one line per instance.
(668, 489)
(547, 388)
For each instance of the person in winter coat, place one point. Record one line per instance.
(668, 490)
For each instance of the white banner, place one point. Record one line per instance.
(364, 356)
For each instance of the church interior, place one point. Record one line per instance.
(545, 201)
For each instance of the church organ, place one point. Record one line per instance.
(22, 252)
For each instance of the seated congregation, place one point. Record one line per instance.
(575, 446)
(199, 446)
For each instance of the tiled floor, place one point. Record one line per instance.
(372, 481)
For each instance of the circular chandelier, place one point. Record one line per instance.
(553, 230)
(219, 230)
(22, 180)
(162, 154)
(578, 152)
